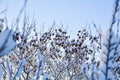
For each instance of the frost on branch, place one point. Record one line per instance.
(50, 55)
(54, 55)
(67, 58)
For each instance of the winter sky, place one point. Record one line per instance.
(72, 13)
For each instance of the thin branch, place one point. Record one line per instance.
(19, 67)
(3, 11)
(114, 14)
(19, 15)
(110, 37)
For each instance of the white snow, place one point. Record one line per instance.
(6, 42)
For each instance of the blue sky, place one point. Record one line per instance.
(72, 13)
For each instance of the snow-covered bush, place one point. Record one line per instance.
(65, 57)
(53, 55)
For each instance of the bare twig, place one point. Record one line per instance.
(19, 15)
(3, 11)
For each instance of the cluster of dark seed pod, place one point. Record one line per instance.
(58, 49)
